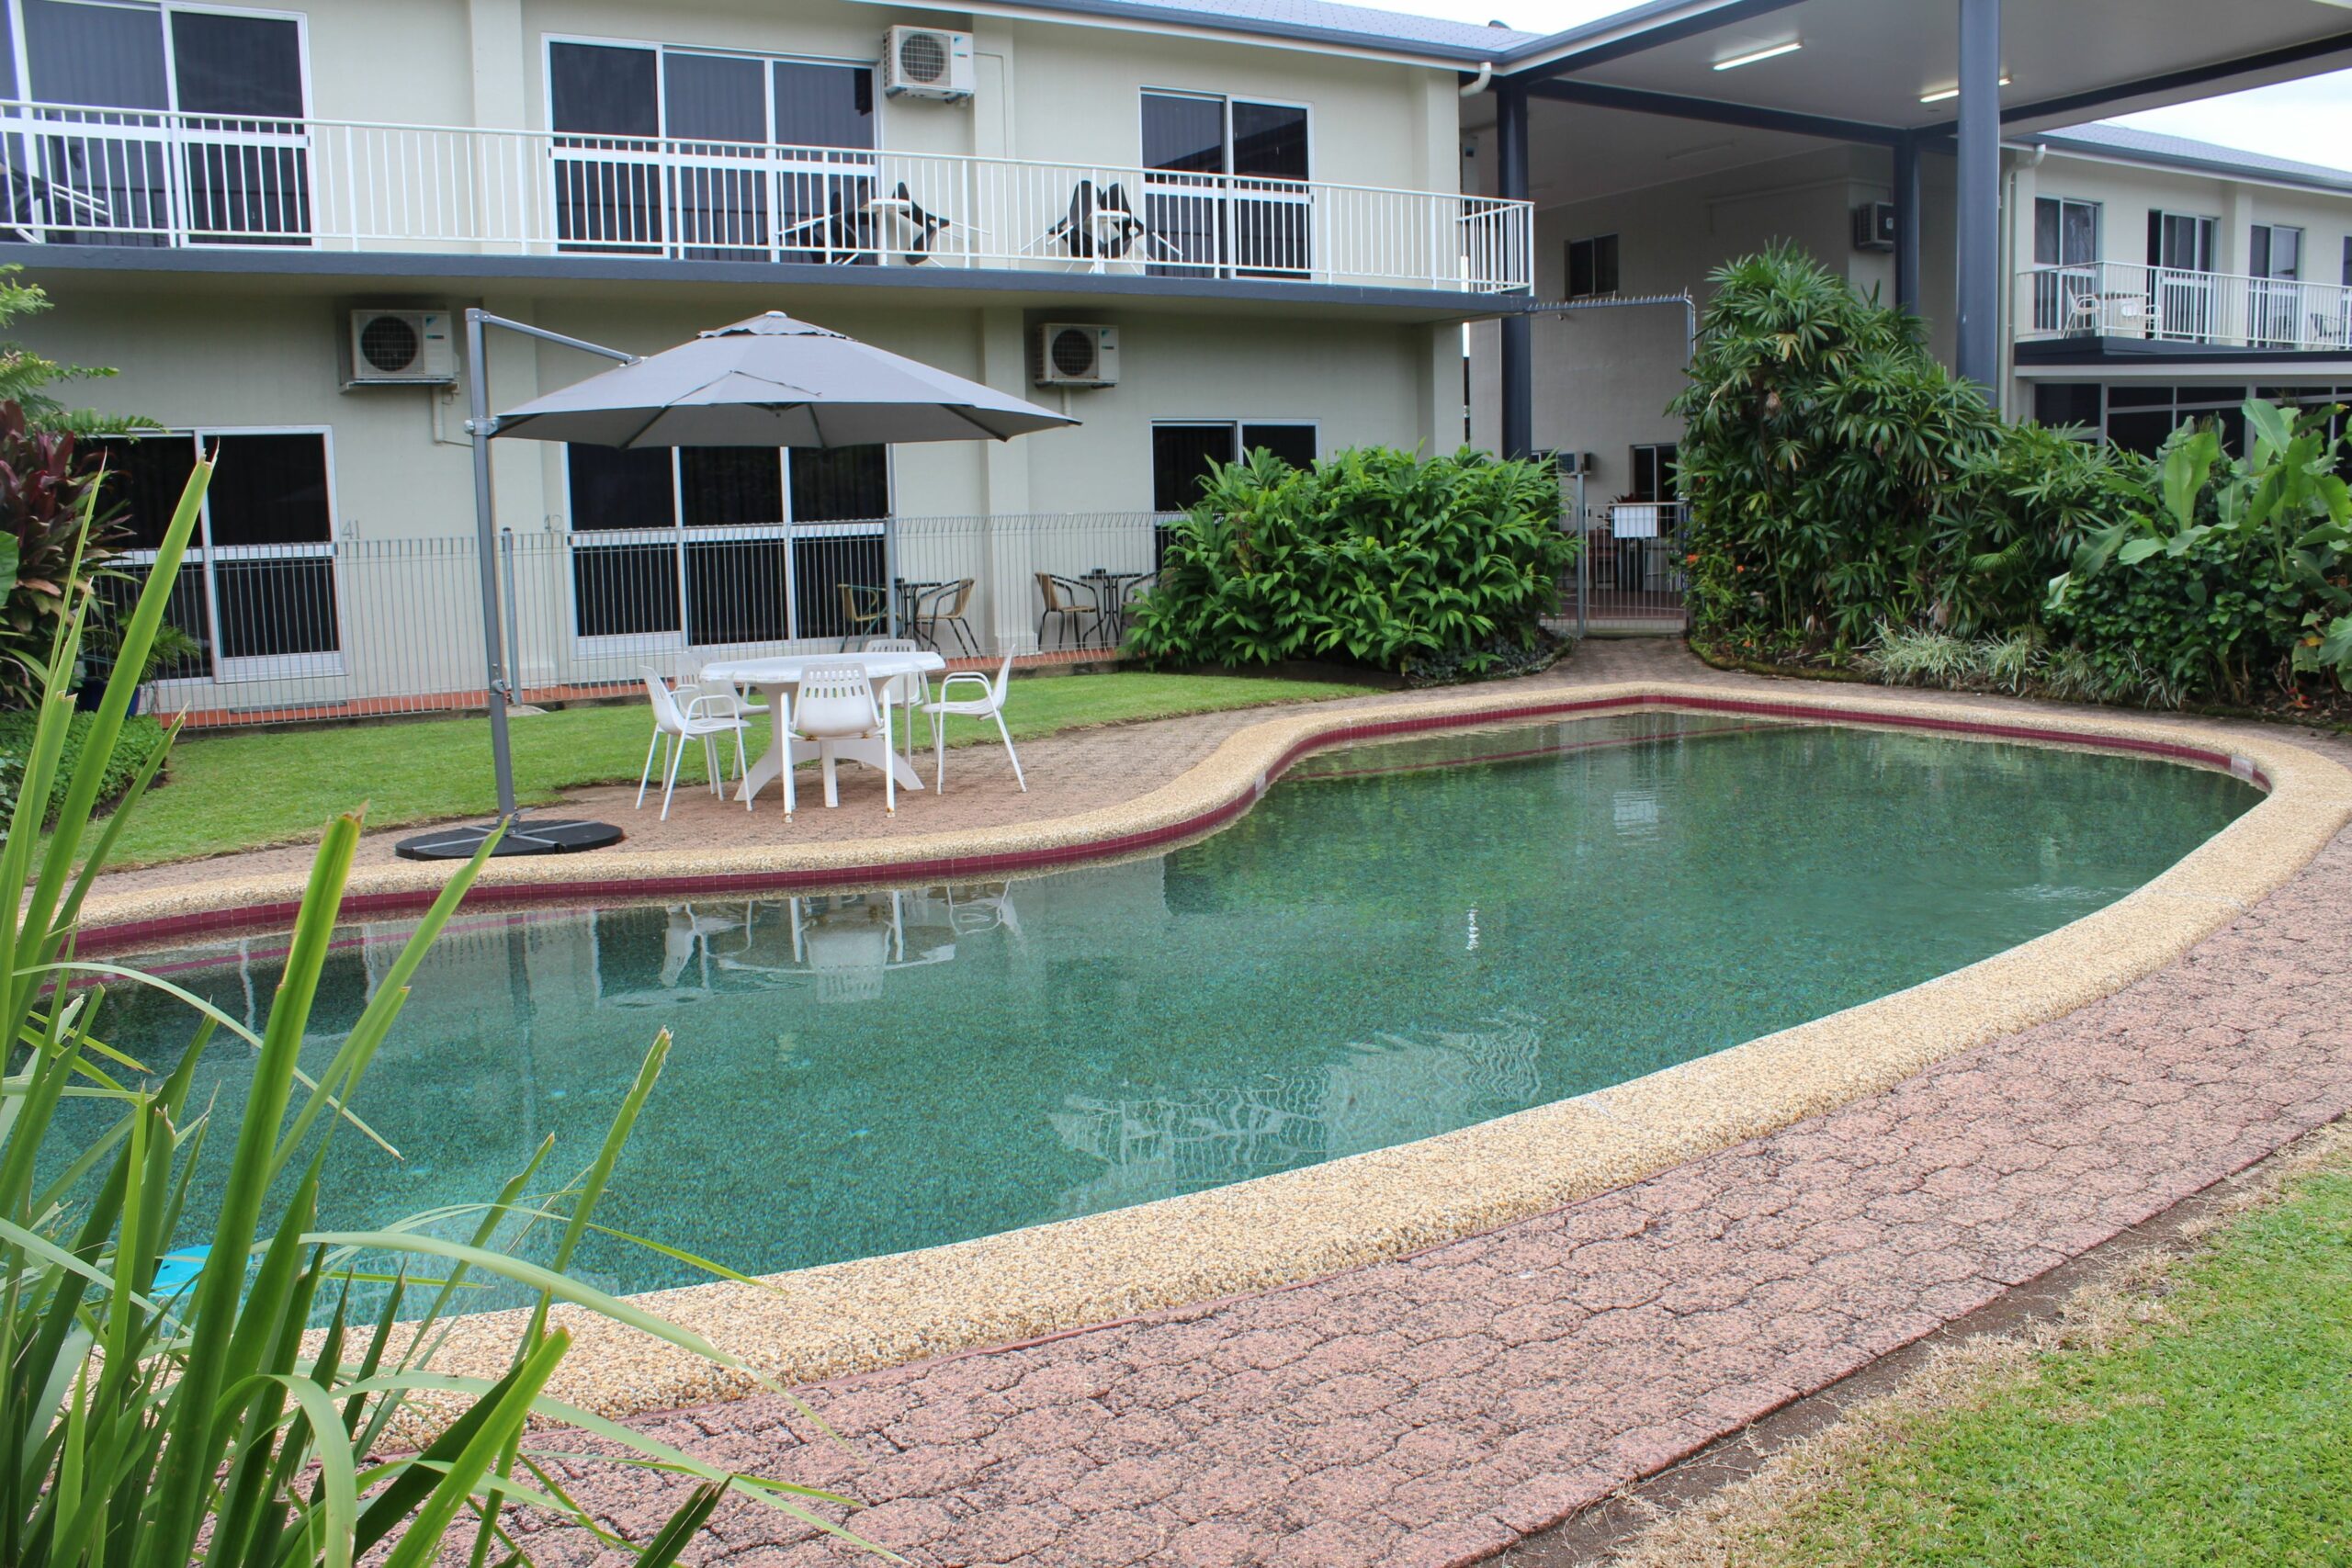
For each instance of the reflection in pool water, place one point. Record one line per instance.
(1384, 949)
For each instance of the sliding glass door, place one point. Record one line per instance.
(2180, 252)
(104, 161)
(710, 155)
(1226, 188)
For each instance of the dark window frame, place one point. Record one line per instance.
(1598, 258)
(220, 576)
(642, 575)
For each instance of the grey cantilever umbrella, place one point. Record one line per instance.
(773, 381)
(767, 381)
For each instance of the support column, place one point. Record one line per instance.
(1518, 357)
(1907, 224)
(1977, 275)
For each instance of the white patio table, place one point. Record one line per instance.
(779, 677)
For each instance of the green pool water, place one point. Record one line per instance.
(1401, 940)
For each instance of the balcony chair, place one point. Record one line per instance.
(985, 701)
(947, 606)
(705, 717)
(1069, 599)
(1102, 226)
(837, 704)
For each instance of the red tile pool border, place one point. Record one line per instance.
(265, 917)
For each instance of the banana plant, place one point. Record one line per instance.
(163, 1403)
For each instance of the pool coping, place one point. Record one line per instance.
(1285, 1228)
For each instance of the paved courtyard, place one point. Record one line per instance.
(1436, 1409)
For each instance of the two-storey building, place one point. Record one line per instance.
(1194, 234)
(1936, 152)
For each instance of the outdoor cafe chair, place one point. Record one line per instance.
(863, 609)
(947, 606)
(705, 717)
(985, 702)
(1068, 598)
(837, 703)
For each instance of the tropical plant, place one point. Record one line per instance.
(51, 545)
(2229, 572)
(1823, 443)
(2018, 512)
(26, 377)
(1372, 556)
(161, 1405)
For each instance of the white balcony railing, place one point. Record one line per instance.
(115, 177)
(2216, 310)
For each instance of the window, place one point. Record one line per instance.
(1224, 185)
(258, 592)
(2065, 256)
(235, 169)
(2065, 405)
(2277, 251)
(1183, 451)
(1592, 266)
(2347, 262)
(710, 156)
(2140, 417)
(688, 547)
(1654, 475)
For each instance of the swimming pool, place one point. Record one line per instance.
(1401, 940)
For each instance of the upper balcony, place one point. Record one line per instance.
(113, 177)
(2126, 310)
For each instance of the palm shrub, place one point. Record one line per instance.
(153, 1416)
(2018, 513)
(1821, 446)
(1373, 557)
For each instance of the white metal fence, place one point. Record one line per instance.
(373, 626)
(2173, 304)
(1631, 574)
(123, 177)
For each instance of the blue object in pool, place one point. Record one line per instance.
(1398, 940)
(177, 1271)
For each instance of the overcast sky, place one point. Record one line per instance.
(2311, 120)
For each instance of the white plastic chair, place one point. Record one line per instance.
(837, 704)
(988, 704)
(907, 692)
(705, 717)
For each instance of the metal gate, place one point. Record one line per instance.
(1631, 574)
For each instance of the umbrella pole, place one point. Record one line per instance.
(502, 751)
(541, 837)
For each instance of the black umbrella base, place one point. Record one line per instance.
(525, 836)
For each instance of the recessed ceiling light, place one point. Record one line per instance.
(1944, 94)
(1737, 61)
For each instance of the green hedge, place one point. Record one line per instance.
(1372, 557)
(141, 737)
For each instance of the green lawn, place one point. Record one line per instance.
(235, 792)
(2224, 1435)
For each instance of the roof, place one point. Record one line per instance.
(2134, 145)
(1319, 21)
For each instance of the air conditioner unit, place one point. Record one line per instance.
(1874, 226)
(1071, 355)
(1573, 463)
(400, 348)
(926, 62)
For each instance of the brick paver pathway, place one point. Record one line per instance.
(1431, 1411)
